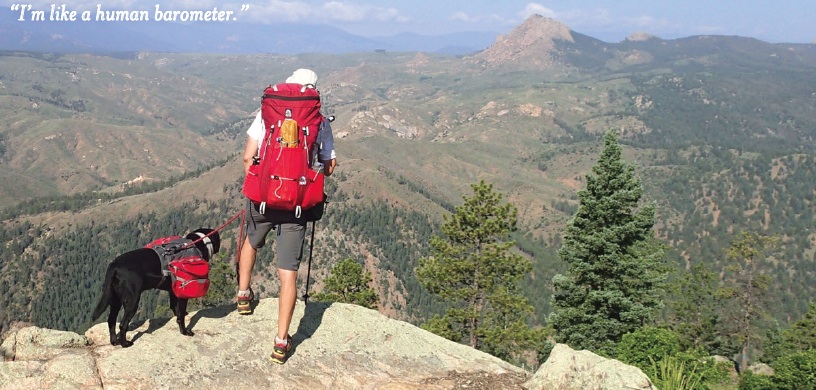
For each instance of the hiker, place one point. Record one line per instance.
(290, 228)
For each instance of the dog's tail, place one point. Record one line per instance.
(104, 300)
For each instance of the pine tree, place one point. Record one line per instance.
(747, 288)
(348, 283)
(801, 336)
(474, 270)
(694, 309)
(614, 261)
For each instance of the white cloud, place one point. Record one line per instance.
(462, 16)
(529, 10)
(602, 18)
(343, 11)
(537, 9)
(331, 11)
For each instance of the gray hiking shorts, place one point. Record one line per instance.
(288, 236)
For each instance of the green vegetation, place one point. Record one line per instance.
(671, 373)
(641, 347)
(348, 283)
(394, 235)
(791, 372)
(746, 288)
(472, 268)
(694, 310)
(615, 267)
(801, 336)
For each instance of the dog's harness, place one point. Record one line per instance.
(175, 248)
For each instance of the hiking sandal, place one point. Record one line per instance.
(244, 304)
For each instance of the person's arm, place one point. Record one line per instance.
(250, 151)
(328, 166)
(254, 135)
(327, 155)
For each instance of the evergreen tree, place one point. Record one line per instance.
(348, 283)
(614, 261)
(694, 310)
(801, 336)
(474, 270)
(747, 288)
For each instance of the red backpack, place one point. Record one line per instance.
(284, 179)
(188, 270)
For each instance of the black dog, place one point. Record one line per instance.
(140, 270)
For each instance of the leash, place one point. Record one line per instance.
(188, 245)
(234, 217)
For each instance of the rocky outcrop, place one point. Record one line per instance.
(335, 346)
(532, 43)
(761, 369)
(570, 369)
(641, 36)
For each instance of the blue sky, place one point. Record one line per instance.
(611, 21)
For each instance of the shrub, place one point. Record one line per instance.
(641, 347)
(672, 373)
(751, 381)
(796, 371)
(791, 372)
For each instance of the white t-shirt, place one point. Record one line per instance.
(325, 138)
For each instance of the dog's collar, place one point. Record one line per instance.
(206, 240)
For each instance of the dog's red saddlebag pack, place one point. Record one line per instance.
(284, 179)
(188, 270)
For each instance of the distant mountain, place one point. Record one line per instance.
(545, 43)
(236, 38)
(531, 43)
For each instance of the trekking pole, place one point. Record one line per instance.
(309, 267)
(311, 241)
(311, 247)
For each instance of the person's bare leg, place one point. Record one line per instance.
(286, 301)
(245, 264)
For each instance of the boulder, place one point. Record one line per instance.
(567, 368)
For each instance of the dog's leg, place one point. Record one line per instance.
(179, 307)
(115, 306)
(131, 306)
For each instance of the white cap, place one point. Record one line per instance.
(303, 77)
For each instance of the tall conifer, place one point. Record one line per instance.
(473, 269)
(610, 287)
(746, 288)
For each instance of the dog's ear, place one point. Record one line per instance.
(209, 245)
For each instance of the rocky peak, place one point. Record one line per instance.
(641, 36)
(532, 42)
